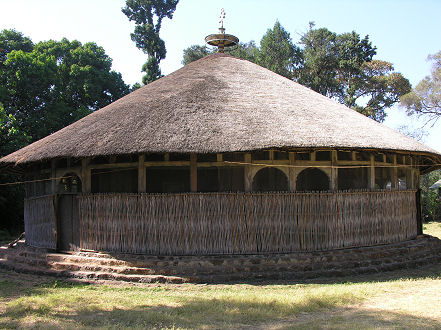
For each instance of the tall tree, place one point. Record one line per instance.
(341, 66)
(148, 16)
(57, 83)
(425, 99)
(278, 53)
(44, 87)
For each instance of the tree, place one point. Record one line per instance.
(247, 51)
(430, 200)
(148, 16)
(11, 197)
(57, 83)
(278, 53)
(425, 99)
(341, 66)
(43, 88)
(194, 53)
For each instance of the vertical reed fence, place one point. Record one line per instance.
(240, 223)
(40, 221)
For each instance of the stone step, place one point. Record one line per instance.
(216, 268)
(65, 266)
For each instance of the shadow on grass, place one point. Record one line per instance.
(216, 313)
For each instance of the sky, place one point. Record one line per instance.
(403, 31)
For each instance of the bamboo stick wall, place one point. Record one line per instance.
(240, 223)
(40, 221)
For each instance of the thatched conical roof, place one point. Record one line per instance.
(217, 104)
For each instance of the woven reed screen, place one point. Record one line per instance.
(40, 221)
(237, 223)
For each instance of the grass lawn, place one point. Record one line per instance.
(403, 299)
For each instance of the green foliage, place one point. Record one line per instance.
(148, 16)
(278, 53)
(12, 40)
(57, 83)
(43, 88)
(195, 52)
(248, 51)
(152, 70)
(340, 66)
(425, 99)
(430, 200)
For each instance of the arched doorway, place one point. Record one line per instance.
(312, 179)
(270, 179)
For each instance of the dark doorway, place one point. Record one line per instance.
(312, 179)
(68, 230)
(270, 179)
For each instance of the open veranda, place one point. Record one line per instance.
(399, 299)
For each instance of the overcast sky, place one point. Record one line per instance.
(403, 31)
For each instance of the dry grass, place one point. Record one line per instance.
(432, 228)
(403, 299)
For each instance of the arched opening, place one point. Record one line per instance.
(69, 184)
(312, 179)
(270, 179)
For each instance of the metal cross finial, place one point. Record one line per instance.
(221, 18)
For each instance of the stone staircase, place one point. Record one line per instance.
(222, 268)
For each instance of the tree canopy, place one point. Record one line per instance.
(425, 99)
(55, 83)
(43, 88)
(278, 53)
(340, 66)
(148, 16)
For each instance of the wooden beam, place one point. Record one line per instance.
(292, 172)
(372, 172)
(334, 170)
(53, 176)
(193, 173)
(219, 158)
(394, 173)
(141, 174)
(85, 175)
(248, 174)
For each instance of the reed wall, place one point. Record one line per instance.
(241, 223)
(40, 221)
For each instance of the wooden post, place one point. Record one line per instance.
(292, 172)
(193, 173)
(419, 220)
(85, 175)
(372, 172)
(394, 184)
(53, 176)
(141, 174)
(334, 170)
(248, 174)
